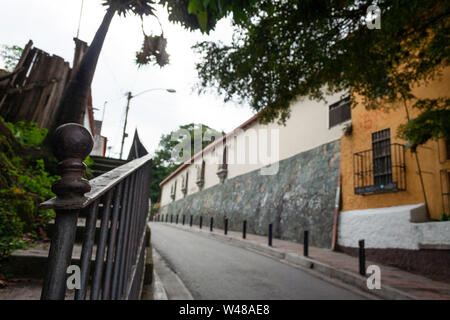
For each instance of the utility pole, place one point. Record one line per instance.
(129, 97)
(104, 108)
(124, 135)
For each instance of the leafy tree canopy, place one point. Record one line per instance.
(10, 56)
(204, 14)
(282, 50)
(166, 159)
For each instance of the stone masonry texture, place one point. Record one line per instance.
(299, 197)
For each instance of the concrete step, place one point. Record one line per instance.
(32, 262)
(108, 161)
(81, 229)
(97, 173)
(103, 164)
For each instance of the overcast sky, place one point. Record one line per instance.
(52, 24)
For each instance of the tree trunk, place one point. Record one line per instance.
(73, 103)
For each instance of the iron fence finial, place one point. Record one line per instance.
(72, 143)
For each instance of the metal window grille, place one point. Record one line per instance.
(339, 112)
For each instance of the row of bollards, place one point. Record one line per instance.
(361, 245)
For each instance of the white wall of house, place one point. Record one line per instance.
(391, 227)
(307, 128)
(99, 146)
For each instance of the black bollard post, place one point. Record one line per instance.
(226, 226)
(184, 219)
(190, 223)
(171, 218)
(362, 258)
(177, 220)
(244, 229)
(270, 235)
(305, 243)
(211, 224)
(201, 222)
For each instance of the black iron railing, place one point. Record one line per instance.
(119, 199)
(380, 170)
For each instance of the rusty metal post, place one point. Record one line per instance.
(71, 143)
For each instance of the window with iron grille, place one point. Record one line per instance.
(380, 169)
(382, 163)
(339, 112)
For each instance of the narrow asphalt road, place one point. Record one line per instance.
(211, 269)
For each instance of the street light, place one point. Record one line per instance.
(129, 97)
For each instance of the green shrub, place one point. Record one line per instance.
(28, 133)
(24, 184)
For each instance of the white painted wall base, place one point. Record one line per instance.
(391, 228)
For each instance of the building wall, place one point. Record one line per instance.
(431, 156)
(392, 239)
(393, 224)
(299, 197)
(306, 129)
(99, 146)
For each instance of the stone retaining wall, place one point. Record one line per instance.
(301, 196)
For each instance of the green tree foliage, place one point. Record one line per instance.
(433, 121)
(166, 161)
(10, 56)
(204, 14)
(283, 50)
(25, 182)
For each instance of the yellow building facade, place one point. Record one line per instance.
(392, 198)
(368, 181)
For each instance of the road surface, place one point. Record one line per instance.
(211, 269)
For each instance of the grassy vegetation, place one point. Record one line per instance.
(25, 181)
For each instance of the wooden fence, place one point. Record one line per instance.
(32, 92)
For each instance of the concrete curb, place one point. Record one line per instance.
(330, 272)
(158, 291)
(167, 284)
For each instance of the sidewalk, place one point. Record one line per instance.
(395, 283)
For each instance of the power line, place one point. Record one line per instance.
(79, 20)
